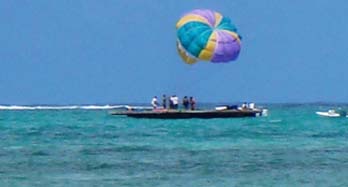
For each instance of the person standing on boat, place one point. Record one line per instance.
(185, 103)
(175, 102)
(192, 103)
(171, 105)
(154, 102)
(164, 101)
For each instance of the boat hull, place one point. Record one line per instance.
(191, 114)
(328, 114)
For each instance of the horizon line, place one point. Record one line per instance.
(147, 103)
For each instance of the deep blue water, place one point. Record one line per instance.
(291, 147)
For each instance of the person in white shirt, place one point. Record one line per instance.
(154, 102)
(171, 105)
(175, 102)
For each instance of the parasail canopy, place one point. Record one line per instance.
(206, 35)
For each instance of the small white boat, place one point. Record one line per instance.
(330, 113)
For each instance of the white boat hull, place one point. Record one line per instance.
(328, 114)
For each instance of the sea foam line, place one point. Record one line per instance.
(72, 107)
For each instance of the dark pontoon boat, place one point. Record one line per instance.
(185, 114)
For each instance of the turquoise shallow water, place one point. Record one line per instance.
(290, 147)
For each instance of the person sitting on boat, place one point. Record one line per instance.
(244, 106)
(185, 103)
(164, 101)
(154, 102)
(175, 102)
(192, 102)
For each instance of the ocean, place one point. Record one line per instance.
(85, 146)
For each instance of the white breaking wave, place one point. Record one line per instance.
(72, 107)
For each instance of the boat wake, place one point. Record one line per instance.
(275, 121)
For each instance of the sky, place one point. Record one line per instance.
(123, 51)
